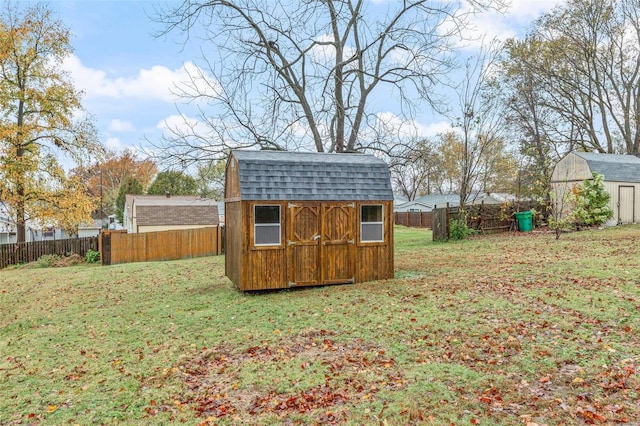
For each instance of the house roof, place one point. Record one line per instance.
(159, 210)
(614, 167)
(281, 175)
(439, 200)
(408, 205)
(162, 200)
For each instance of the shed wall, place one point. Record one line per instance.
(232, 181)
(264, 267)
(571, 169)
(253, 267)
(624, 201)
(375, 260)
(234, 249)
(624, 196)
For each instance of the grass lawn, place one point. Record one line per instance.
(498, 330)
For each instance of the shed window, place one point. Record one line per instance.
(371, 223)
(266, 225)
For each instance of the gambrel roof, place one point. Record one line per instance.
(614, 167)
(304, 176)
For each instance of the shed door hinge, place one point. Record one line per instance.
(291, 243)
(292, 205)
(352, 205)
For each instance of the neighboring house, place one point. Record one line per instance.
(621, 180)
(221, 212)
(150, 213)
(33, 232)
(427, 203)
(90, 229)
(411, 207)
(7, 226)
(303, 219)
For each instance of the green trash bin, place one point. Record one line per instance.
(525, 222)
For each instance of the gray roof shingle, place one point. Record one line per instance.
(290, 176)
(614, 167)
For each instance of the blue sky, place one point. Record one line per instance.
(127, 74)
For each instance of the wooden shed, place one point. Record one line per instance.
(621, 179)
(304, 219)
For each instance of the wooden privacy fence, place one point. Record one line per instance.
(414, 219)
(120, 247)
(484, 218)
(17, 253)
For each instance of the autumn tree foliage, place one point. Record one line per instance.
(41, 122)
(105, 178)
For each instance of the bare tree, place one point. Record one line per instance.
(481, 122)
(304, 74)
(541, 133)
(417, 169)
(591, 71)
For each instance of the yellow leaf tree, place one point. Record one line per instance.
(42, 123)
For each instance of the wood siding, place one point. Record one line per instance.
(265, 267)
(320, 244)
(303, 243)
(234, 252)
(232, 182)
(375, 260)
(571, 169)
(338, 243)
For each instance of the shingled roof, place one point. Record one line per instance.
(614, 167)
(280, 175)
(157, 210)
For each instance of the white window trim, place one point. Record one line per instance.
(260, 225)
(372, 223)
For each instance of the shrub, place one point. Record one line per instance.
(592, 202)
(92, 256)
(48, 260)
(71, 260)
(458, 230)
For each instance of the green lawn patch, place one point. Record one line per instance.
(496, 330)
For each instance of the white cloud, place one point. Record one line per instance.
(113, 144)
(183, 125)
(410, 128)
(494, 25)
(434, 129)
(117, 125)
(155, 83)
(526, 10)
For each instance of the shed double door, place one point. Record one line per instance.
(321, 243)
